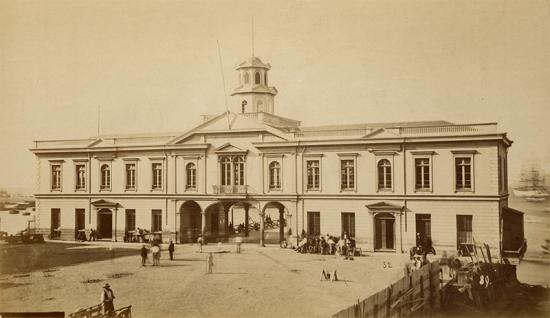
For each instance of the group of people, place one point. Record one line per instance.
(155, 251)
(329, 245)
(82, 237)
(419, 253)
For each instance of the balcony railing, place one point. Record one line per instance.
(230, 189)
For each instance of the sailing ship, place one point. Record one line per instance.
(531, 186)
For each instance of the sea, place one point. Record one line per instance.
(534, 269)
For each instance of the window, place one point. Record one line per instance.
(422, 173)
(80, 177)
(56, 177)
(314, 223)
(265, 78)
(274, 175)
(464, 236)
(348, 224)
(130, 220)
(246, 78)
(105, 177)
(156, 222)
(79, 222)
(157, 176)
(55, 222)
(384, 175)
(130, 176)
(463, 173)
(257, 78)
(226, 170)
(238, 166)
(313, 174)
(260, 106)
(191, 171)
(347, 174)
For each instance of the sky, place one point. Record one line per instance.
(153, 66)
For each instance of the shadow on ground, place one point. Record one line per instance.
(24, 258)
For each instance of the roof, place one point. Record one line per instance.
(253, 61)
(378, 125)
(255, 89)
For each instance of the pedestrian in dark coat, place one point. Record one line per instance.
(107, 298)
(171, 250)
(144, 252)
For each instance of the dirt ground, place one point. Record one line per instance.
(269, 281)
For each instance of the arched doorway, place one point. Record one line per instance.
(105, 224)
(190, 222)
(384, 231)
(274, 222)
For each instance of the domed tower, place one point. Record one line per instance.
(254, 93)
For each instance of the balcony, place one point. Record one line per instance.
(230, 189)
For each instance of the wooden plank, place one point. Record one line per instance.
(369, 306)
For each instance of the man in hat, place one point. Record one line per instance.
(171, 250)
(144, 252)
(107, 298)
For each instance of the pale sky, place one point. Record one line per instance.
(153, 66)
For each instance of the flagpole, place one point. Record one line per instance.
(223, 81)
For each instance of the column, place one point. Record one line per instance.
(222, 221)
(262, 214)
(203, 224)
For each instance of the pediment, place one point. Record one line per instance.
(227, 124)
(384, 206)
(380, 133)
(228, 148)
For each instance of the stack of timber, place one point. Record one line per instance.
(417, 293)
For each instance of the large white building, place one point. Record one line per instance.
(380, 183)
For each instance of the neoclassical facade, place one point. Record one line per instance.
(255, 171)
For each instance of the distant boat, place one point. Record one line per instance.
(531, 186)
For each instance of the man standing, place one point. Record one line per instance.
(144, 252)
(199, 244)
(107, 298)
(238, 242)
(171, 250)
(156, 254)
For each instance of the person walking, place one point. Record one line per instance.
(171, 250)
(107, 300)
(144, 252)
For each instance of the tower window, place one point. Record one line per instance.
(246, 78)
(260, 106)
(265, 78)
(257, 78)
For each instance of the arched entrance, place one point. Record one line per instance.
(190, 222)
(105, 224)
(274, 222)
(384, 231)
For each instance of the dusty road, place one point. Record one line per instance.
(269, 281)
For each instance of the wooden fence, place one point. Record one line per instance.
(418, 292)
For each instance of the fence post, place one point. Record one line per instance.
(388, 300)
